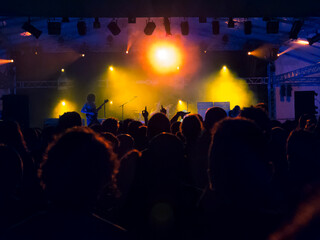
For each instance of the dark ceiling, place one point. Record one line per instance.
(160, 8)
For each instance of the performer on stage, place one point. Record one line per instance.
(89, 108)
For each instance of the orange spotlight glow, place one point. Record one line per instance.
(4, 61)
(178, 68)
(249, 53)
(25, 34)
(83, 55)
(111, 68)
(111, 102)
(63, 103)
(302, 42)
(127, 52)
(164, 57)
(62, 69)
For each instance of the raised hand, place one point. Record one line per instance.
(145, 113)
(163, 110)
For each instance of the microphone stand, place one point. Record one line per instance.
(122, 106)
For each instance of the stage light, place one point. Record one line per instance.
(150, 26)
(12, 60)
(63, 103)
(111, 102)
(83, 55)
(25, 34)
(184, 28)
(249, 53)
(111, 68)
(62, 69)
(247, 27)
(5, 61)
(96, 23)
(230, 23)
(167, 27)
(224, 68)
(205, 51)
(180, 102)
(178, 68)
(164, 57)
(127, 52)
(295, 29)
(54, 28)
(302, 42)
(215, 27)
(314, 39)
(82, 27)
(31, 29)
(114, 28)
(272, 27)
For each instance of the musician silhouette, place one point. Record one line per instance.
(90, 109)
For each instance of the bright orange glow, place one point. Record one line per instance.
(62, 69)
(302, 42)
(5, 61)
(25, 34)
(83, 55)
(127, 52)
(178, 68)
(111, 102)
(249, 53)
(224, 68)
(180, 102)
(111, 68)
(63, 103)
(164, 57)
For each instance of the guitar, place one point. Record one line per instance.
(94, 115)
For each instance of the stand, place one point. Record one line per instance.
(122, 106)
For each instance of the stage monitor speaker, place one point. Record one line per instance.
(304, 103)
(16, 108)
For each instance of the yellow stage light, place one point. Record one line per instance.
(164, 57)
(62, 69)
(63, 103)
(224, 67)
(178, 68)
(180, 102)
(62, 107)
(302, 42)
(111, 102)
(111, 68)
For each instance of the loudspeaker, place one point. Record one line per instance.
(304, 103)
(16, 108)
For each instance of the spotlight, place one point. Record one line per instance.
(132, 20)
(178, 68)
(111, 102)
(215, 27)
(314, 39)
(148, 30)
(54, 28)
(272, 27)
(12, 60)
(224, 67)
(114, 28)
(167, 27)
(31, 29)
(180, 102)
(111, 68)
(96, 23)
(249, 53)
(295, 29)
(62, 69)
(202, 19)
(230, 23)
(83, 55)
(184, 28)
(127, 52)
(63, 103)
(82, 27)
(247, 27)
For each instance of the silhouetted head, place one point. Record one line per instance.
(11, 169)
(133, 128)
(213, 115)
(78, 165)
(69, 120)
(238, 165)
(126, 144)
(113, 140)
(158, 123)
(91, 98)
(111, 125)
(191, 127)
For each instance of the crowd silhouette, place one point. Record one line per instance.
(241, 176)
